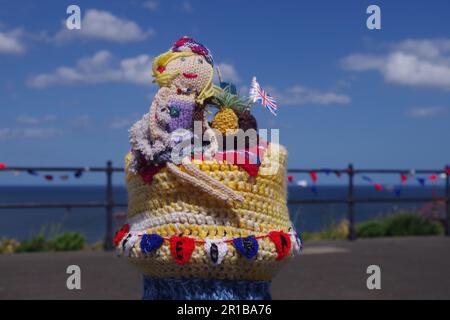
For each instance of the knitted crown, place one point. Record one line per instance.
(186, 43)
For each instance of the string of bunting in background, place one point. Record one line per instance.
(313, 176)
(48, 177)
(396, 189)
(182, 247)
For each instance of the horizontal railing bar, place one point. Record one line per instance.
(305, 201)
(399, 171)
(359, 171)
(315, 201)
(58, 205)
(293, 170)
(54, 169)
(365, 200)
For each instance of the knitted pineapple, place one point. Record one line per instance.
(225, 121)
(230, 105)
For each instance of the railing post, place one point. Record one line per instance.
(350, 202)
(108, 245)
(447, 201)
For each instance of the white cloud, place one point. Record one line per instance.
(82, 121)
(137, 69)
(425, 112)
(301, 95)
(228, 73)
(10, 42)
(120, 123)
(28, 133)
(97, 24)
(151, 5)
(418, 63)
(102, 67)
(186, 6)
(362, 62)
(24, 119)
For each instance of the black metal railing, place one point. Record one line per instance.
(350, 200)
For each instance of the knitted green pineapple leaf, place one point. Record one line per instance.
(225, 99)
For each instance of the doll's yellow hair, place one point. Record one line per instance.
(164, 78)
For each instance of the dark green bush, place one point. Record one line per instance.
(371, 229)
(400, 224)
(36, 243)
(406, 224)
(68, 241)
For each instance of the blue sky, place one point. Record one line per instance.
(377, 98)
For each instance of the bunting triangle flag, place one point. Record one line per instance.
(247, 246)
(282, 243)
(181, 248)
(216, 250)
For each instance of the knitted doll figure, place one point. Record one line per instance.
(214, 227)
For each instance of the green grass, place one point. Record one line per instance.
(396, 225)
(63, 241)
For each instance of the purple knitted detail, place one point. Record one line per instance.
(181, 115)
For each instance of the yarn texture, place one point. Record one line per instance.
(204, 289)
(210, 221)
(168, 207)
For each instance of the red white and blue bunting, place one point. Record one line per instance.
(47, 177)
(404, 177)
(182, 247)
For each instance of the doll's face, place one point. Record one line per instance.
(195, 72)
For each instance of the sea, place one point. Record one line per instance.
(25, 223)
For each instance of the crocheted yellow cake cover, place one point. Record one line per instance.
(168, 207)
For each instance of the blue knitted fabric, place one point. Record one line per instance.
(205, 289)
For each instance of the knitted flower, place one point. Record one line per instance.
(120, 234)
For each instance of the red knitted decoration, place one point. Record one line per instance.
(313, 176)
(147, 173)
(161, 69)
(252, 169)
(2, 166)
(282, 243)
(378, 187)
(120, 234)
(181, 248)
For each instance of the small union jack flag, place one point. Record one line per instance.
(259, 94)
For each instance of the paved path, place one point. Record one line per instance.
(411, 268)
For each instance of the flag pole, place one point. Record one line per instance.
(219, 74)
